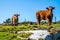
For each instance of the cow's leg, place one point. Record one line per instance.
(38, 21)
(50, 21)
(17, 23)
(14, 23)
(47, 20)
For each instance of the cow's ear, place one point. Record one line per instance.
(53, 8)
(18, 14)
(46, 8)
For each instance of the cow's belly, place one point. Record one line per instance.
(44, 18)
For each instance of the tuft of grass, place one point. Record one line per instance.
(24, 35)
(41, 39)
(6, 36)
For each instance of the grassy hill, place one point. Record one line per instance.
(10, 32)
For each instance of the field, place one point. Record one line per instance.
(10, 32)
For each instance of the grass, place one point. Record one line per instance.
(6, 36)
(24, 35)
(10, 32)
(41, 39)
(16, 28)
(24, 27)
(12, 36)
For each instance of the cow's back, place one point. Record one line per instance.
(44, 14)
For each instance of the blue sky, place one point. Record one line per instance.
(27, 9)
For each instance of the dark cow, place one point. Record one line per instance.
(45, 15)
(15, 19)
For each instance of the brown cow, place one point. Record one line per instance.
(45, 15)
(15, 19)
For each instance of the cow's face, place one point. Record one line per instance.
(50, 8)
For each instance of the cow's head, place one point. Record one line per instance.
(17, 15)
(50, 8)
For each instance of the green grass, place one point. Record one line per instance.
(41, 39)
(16, 28)
(24, 27)
(12, 36)
(24, 35)
(10, 32)
(7, 36)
